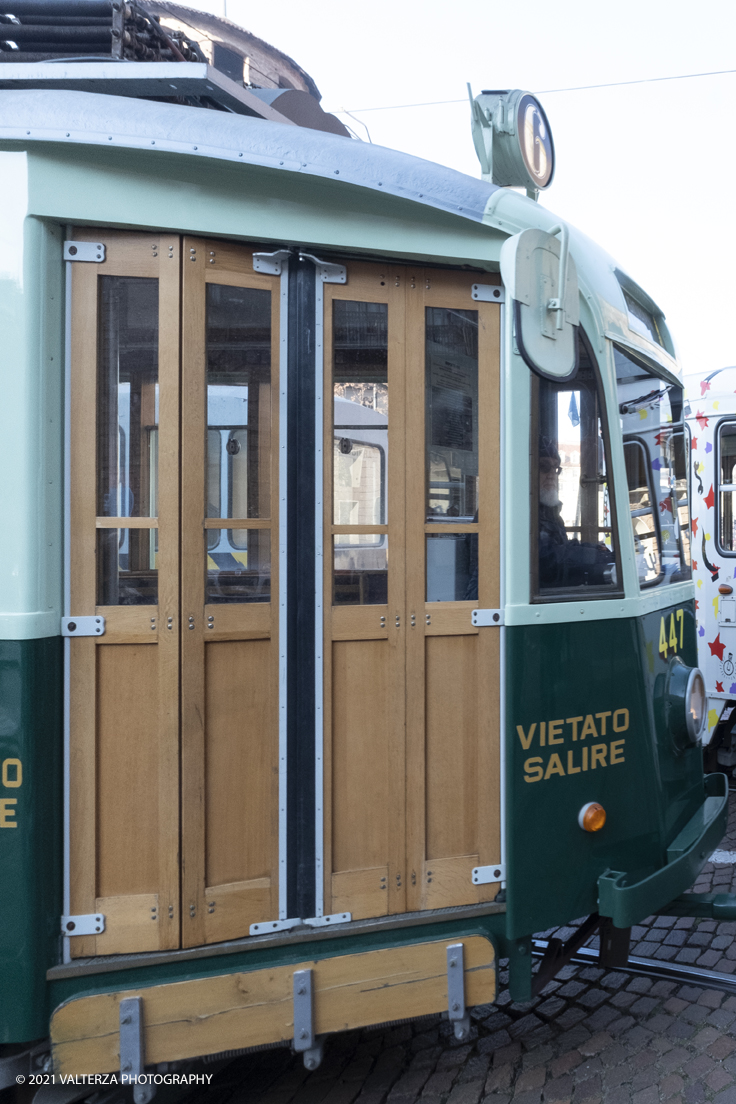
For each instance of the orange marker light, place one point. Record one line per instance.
(592, 817)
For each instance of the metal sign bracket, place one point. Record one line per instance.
(456, 1011)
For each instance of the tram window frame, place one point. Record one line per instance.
(654, 508)
(547, 596)
(667, 385)
(718, 485)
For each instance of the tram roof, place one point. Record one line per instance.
(72, 117)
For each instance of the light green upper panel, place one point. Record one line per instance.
(30, 413)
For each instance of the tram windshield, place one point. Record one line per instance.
(655, 451)
(576, 534)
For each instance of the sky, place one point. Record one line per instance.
(646, 170)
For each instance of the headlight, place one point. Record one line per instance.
(696, 704)
(685, 703)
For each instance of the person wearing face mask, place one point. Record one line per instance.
(564, 562)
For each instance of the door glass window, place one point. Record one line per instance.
(651, 412)
(727, 487)
(360, 452)
(127, 438)
(643, 517)
(451, 451)
(576, 550)
(238, 476)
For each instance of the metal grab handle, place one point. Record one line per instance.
(557, 304)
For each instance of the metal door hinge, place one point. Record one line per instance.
(456, 1012)
(270, 263)
(484, 875)
(327, 272)
(267, 926)
(132, 1063)
(84, 251)
(326, 921)
(91, 923)
(305, 1041)
(481, 617)
(488, 293)
(83, 626)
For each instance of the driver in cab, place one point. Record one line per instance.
(564, 561)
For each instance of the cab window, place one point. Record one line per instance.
(574, 519)
(651, 412)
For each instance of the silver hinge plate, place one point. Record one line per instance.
(84, 251)
(91, 923)
(267, 926)
(329, 921)
(306, 1042)
(488, 293)
(83, 626)
(132, 1044)
(270, 263)
(456, 1012)
(481, 617)
(303, 1026)
(485, 875)
(327, 272)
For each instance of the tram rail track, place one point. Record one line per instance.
(648, 967)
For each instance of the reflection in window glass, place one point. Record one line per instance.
(360, 412)
(127, 397)
(361, 572)
(727, 486)
(451, 422)
(651, 414)
(238, 565)
(643, 519)
(359, 481)
(641, 320)
(576, 549)
(238, 402)
(452, 567)
(127, 573)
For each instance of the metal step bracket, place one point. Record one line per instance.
(305, 1041)
(488, 293)
(270, 263)
(91, 923)
(267, 926)
(482, 617)
(84, 251)
(83, 626)
(132, 1063)
(327, 271)
(329, 921)
(456, 1011)
(484, 875)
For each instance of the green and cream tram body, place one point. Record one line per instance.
(304, 711)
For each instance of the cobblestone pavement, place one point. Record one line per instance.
(592, 1036)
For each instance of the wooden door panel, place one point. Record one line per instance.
(239, 783)
(453, 772)
(362, 893)
(229, 646)
(364, 860)
(360, 757)
(124, 796)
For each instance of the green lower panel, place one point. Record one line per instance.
(30, 831)
(586, 721)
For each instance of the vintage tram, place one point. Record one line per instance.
(342, 643)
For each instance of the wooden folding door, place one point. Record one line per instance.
(229, 543)
(124, 685)
(452, 567)
(364, 601)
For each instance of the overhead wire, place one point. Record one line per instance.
(545, 91)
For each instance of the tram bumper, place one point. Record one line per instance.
(663, 892)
